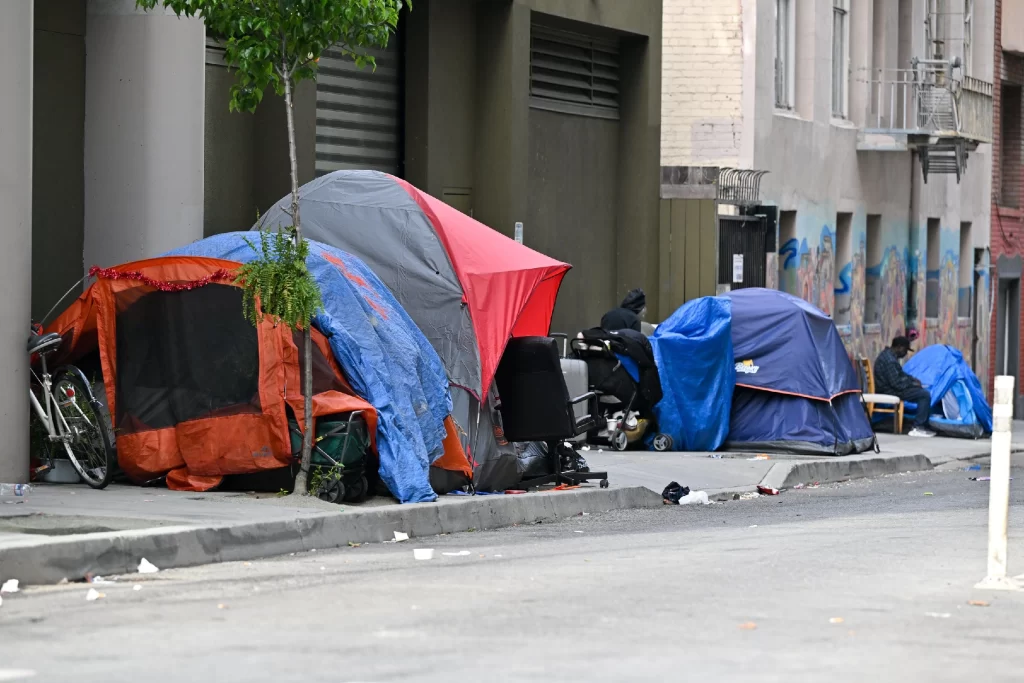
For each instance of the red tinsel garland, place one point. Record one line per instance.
(134, 275)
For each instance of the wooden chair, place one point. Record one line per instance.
(880, 403)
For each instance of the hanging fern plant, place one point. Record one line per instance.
(277, 284)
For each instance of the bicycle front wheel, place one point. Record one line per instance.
(85, 437)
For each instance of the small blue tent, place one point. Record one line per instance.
(958, 402)
(383, 354)
(796, 389)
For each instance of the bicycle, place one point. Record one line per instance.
(72, 416)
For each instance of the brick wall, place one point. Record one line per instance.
(1007, 229)
(702, 82)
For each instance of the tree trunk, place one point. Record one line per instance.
(301, 480)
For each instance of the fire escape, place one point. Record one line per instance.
(932, 109)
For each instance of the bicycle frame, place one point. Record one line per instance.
(57, 430)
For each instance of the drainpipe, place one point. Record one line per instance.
(911, 206)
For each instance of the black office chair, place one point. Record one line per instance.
(535, 406)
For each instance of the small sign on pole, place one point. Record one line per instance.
(737, 268)
(519, 232)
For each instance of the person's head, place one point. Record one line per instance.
(900, 346)
(635, 301)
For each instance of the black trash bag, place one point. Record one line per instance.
(674, 492)
(533, 459)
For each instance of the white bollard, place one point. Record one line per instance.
(999, 491)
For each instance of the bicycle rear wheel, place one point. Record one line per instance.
(88, 443)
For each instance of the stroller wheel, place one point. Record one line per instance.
(620, 440)
(662, 442)
(332, 492)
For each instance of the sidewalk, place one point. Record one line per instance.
(734, 473)
(59, 532)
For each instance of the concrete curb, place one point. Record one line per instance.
(786, 475)
(46, 559)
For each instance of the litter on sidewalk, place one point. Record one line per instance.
(674, 492)
(10, 586)
(695, 498)
(147, 567)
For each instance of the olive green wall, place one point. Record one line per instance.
(573, 157)
(469, 125)
(58, 144)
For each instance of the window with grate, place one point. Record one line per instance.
(574, 73)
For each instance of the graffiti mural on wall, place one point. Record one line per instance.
(890, 284)
(917, 293)
(949, 290)
(842, 292)
(809, 272)
(892, 317)
(899, 282)
(789, 259)
(856, 285)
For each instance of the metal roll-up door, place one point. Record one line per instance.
(359, 112)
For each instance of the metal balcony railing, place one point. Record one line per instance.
(930, 99)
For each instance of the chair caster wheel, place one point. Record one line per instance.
(604, 483)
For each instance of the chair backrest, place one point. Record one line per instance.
(531, 387)
(869, 375)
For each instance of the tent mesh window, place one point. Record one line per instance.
(573, 73)
(183, 356)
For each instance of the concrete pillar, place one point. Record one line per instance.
(144, 114)
(16, 30)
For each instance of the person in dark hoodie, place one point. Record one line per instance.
(628, 314)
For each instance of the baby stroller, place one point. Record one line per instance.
(622, 372)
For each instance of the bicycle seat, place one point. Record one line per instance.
(44, 343)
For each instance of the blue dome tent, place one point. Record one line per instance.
(758, 370)
(796, 389)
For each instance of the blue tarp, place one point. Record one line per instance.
(383, 354)
(948, 376)
(693, 351)
(797, 390)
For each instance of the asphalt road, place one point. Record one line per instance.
(865, 581)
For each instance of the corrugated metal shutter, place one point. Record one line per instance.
(574, 73)
(359, 117)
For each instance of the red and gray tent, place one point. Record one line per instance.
(468, 287)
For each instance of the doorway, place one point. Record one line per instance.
(1008, 333)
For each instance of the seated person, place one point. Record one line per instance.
(891, 378)
(627, 316)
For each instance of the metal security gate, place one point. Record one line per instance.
(359, 112)
(743, 246)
